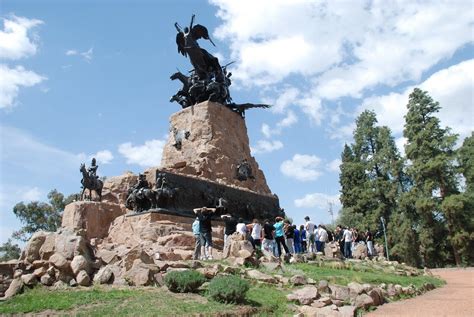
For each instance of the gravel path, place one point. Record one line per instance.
(456, 298)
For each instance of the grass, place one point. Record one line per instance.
(345, 276)
(110, 301)
(261, 300)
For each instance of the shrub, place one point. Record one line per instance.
(228, 289)
(184, 281)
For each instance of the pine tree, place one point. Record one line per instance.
(430, 152)
(370, 172)
(459, 208)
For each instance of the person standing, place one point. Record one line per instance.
(241, 227)
(268, 237)
(256, 235)
(309, 226)
(230, 226)
(347, 237)
(297, 239)
(303, 239)
(323, 237)
(204, 215)
(197, 237)
(289, 235)
(280, 236)
(369, 239)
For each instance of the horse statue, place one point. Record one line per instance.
(90, 183)
(140, 200)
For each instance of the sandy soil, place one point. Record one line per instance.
(456, 298)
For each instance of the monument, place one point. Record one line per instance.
(129, 229)
(206, 160)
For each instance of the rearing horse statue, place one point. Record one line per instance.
(90, 183)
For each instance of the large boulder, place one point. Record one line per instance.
(59, 261)
(80, 263)
(259, 276)
(82, 278)
(70, 244)
(360, 251)
(48, 247)
(16, 286)
(141, 274)
(340, 292)
(332, 250)
(32, 249)
(94, 217)
(304, 296)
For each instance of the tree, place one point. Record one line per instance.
(39, 215)
(370, 172)
(460, 207)
(9, 251)
(430, 150)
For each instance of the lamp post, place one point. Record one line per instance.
(382, 220)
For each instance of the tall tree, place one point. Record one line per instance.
(430, 150)
(39, 215)
(459, 208)
(370, 172)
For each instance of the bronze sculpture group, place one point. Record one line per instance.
(142, 197)
(208, 80)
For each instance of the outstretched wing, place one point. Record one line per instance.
(200, 31)
(180, 42)
(245, 106)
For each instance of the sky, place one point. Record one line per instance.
(83, 79)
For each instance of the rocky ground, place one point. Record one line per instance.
(456, 298)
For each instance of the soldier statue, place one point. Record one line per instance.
(92, 170)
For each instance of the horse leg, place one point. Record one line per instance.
(82, 194)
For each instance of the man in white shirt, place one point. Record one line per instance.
(323, 237)
(347, 236)
(309, 226)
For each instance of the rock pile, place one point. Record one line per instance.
(98, 243)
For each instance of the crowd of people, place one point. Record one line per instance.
(274, 237)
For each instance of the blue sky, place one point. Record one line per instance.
(91, 78)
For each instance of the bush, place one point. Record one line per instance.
(228, 289)
(184, 281)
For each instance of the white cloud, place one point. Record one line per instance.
(103, 157)
(302, 167)
(341, 48)
(334, 165)
(21, 150)
(87, 55)
(452, 87)
(289, 120)
(32, 194)
(319, 200)
(146, 155)
(16, 40)
(266, 146)
(11, 79)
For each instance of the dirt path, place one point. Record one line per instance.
(456, 298)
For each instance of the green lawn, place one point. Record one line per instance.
(151, 301)
(367, 275)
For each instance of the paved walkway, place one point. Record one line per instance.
(456, 298)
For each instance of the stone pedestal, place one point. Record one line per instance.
(213, 142)
(94, 217)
